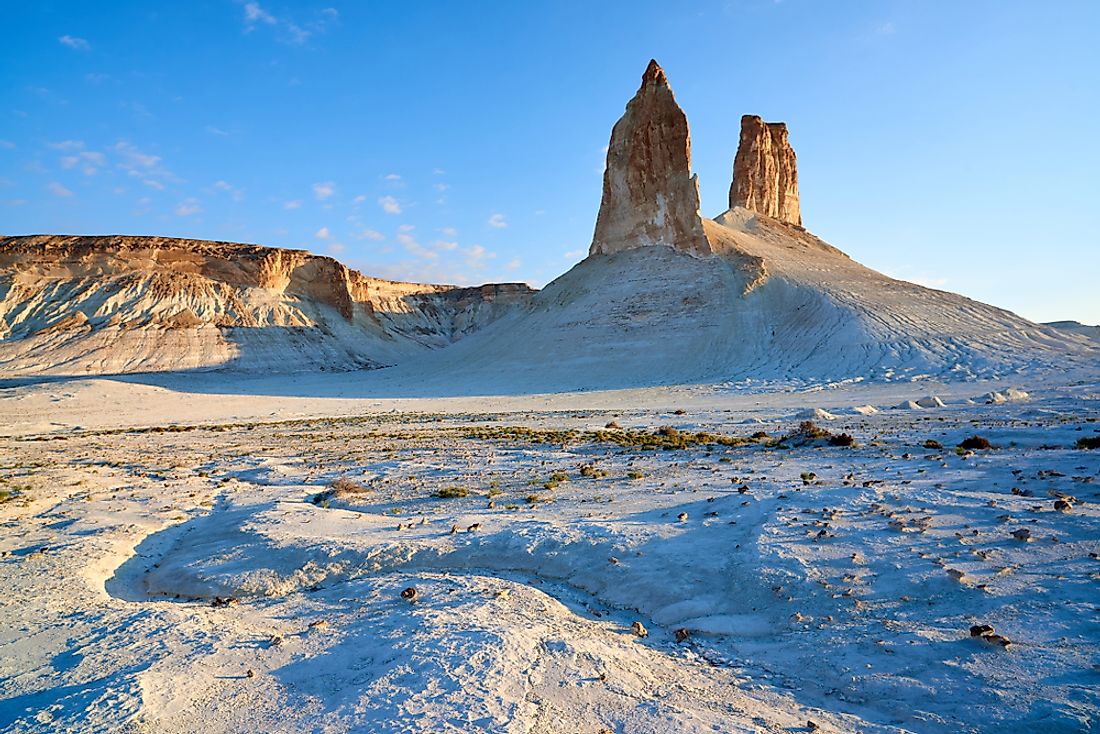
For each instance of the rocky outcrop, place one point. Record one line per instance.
(765, 172)
(92, 305)
(650, 196)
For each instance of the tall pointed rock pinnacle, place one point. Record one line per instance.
(765, 172)
(650, 196)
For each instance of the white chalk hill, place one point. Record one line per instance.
(771, 304)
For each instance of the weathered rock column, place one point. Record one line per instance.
(650, 196)
(765, 172)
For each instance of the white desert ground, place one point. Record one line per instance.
(175, 559)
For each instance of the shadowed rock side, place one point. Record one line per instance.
(98, 305)
(765, 172)
(650, 196)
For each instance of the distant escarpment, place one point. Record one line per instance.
(95, 305)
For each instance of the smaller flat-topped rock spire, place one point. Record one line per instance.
(650, 196)
(765, 172)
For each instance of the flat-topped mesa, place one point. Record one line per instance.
(650, 196)
(765, 172)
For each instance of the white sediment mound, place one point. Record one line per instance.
(996, 397)
(816, 414)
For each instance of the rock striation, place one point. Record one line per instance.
(765, 172)
(95, 305)
(650, 196)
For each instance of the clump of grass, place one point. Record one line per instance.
(634, 474)
(841, 439)
(1089, 442)
(447, 493)
(591, 472)
(933, 444)
(340, 488)
(809, 432)
(559, 476)
(975, 443)
(667, 438)
(533, 499)
(8, 495)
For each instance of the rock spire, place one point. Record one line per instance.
(650, 196)
(765, 173)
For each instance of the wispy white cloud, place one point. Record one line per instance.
(139, 164)
(390, 205)
(476, 255)
(409, 243)
(213, 130)
(392, 177)
(444, 245)
(292, 204)
(359, 199)
(254, 13)
(448, 231)
(497, 221)
(67, 145)
(324, 190)
(322, 233)
(513, 264)
(335, 248)
(188, 206)
(370, 234)
(89, 161)
(233, 191)
(58, 190)
(574, 254)
(73, 42)
(288, 30)
(885, 29)
(7, 145)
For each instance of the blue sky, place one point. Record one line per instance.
(953, 144)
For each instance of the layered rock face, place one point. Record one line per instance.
(650, 196)
(765, 172)
(91, 305)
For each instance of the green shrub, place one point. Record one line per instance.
(451, 493)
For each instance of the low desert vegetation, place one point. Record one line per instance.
(665, 438)
(1089, 442)
(339, 489)
(447, 493)
(975, 443)
(809, 432)
(590, 471)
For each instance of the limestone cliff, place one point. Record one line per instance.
(650, 196)
(89, 305)
(765, 172)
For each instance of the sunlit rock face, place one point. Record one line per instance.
(650, 196)
(765, 172)
(101, 305)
